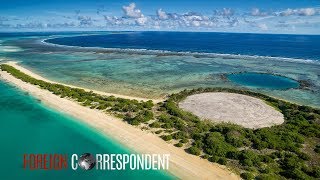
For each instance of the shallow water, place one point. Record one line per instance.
(29, 127)
(154, 74)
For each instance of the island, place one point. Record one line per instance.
(200, 148)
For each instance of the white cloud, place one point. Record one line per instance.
(61, 25)
(135, 14)
(299, 12)
(263, 27)
(257, 12)
(113, 20)
(254, 20)
(141, 21)
(162, 14)
(131, 11)
(195, 23)
(227, 12)
(85, 20)
(192, 19)
(307, 12)
(287, 12)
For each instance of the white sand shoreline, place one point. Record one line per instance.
(182, 164)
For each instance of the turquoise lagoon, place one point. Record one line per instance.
(29, 127)
(155, 74)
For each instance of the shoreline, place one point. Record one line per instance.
(32, 74)
(182, 164)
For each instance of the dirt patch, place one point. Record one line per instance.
(238, 109)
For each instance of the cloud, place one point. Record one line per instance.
(256, 24)
(224, 12)
(39, 25)
(113, 20)
(31, 25)
(193, 19)
(225, 19)
(257, 12)
(162, 14)
(263, 27)
(299, 12)
(67, 17)
(2, 18)
(85, 20)
(287, 12)
(227, 12)
(307, 12)
(141, 21)
(131, 11)
(100, 9)
(61, 25)
(234, 22)
(189, 20)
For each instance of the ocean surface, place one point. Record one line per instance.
(267, 81)
(155, 64)
(272, 45)
(27, 126)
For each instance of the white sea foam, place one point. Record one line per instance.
(9, 49)
(185, 53)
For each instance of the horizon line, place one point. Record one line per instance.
(80, 31)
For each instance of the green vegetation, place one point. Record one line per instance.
(194, 150)
(166, 137)
(178, 144)
(317, 149)
(276, 152)
(266, 153)
(247, 175)
(222, 161)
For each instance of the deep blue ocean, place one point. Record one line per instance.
(271, 45)
(267, 81)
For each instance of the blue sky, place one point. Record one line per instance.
(257, 16)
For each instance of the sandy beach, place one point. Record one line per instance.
(30, 73)
(238, 109)
(182, 164)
